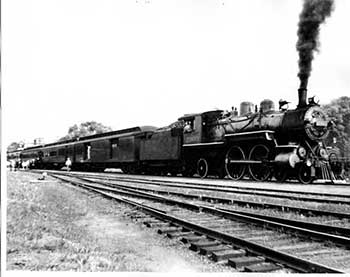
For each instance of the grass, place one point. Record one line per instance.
(52, 226)
(41, 229)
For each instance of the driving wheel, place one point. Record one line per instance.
(259, 170)
(234, 169)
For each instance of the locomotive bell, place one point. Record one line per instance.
(267, 105)
(246, 107)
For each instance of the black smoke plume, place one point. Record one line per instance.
(312, 16)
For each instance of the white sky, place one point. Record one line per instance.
(126, 63)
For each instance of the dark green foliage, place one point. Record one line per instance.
(85, 129)
(339, 112)
(14, 146)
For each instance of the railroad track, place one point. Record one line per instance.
(299, 211)
(297, 223)
(328, 198)
(249, 243)
(257, 206)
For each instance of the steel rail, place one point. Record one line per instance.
(299, 223)
(288, 260)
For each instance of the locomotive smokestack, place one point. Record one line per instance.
(302, 93)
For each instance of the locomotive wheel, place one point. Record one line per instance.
(281, 174)
(124, 169)
(304, 174)
(259, 172)
(187, 173)
(173, 173)
(221, 173)
(235, 171)
(202, 168)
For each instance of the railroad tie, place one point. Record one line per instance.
(166, 230)
(195, 246)
(262, 267)
(131, 213)
(156, 223)
(139, 216)
(191, 238)
(227, 254)
(149, 221)
(210, 249)
(172, 235)
(240, 262)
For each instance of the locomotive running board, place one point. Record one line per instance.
(203, 144)
(264, 134)
(244, 162)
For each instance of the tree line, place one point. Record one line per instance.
(338, 112)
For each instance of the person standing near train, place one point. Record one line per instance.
(68, 164)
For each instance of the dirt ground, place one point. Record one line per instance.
(53, 226)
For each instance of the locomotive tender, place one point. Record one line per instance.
(262, 143)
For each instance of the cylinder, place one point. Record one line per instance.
(290, 158)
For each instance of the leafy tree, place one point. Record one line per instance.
(339, 112)
(85, 129)
(14, 146)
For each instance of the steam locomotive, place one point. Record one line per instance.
(259, 143)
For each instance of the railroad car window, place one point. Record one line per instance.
(189, 126)
(53, 153)
(87, 152)
(79, 150)
(61, 152)
(113, 148)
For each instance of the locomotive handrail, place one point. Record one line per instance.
(249, 133)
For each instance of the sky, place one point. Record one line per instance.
(130, 63)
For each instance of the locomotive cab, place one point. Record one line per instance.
(198, 127)
(192, 128)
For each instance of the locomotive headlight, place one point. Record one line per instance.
(301, 152)
(316, 123)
